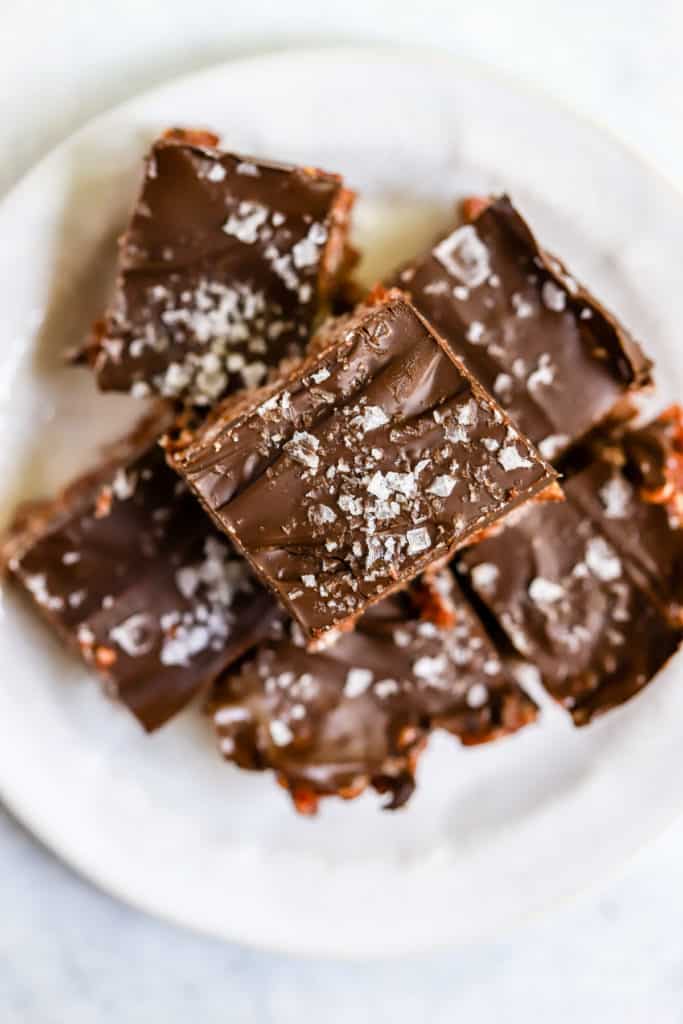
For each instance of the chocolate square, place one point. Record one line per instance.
(572, 607)
(223, 269)
(359, 712)
(633, 489)
(129, 571)
(375, 459)
(550, 353)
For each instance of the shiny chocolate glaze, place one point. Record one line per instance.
(223, 269)
(375, 459)
(359, 712)
(128, 569)
(572, 605)
(554, 358)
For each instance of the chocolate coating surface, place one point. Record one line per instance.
(374, 460)
(223, 269)
(131, 573)
(358, 713)
(571, 606)
(554, 358)
(634, 490)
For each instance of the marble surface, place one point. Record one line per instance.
(69, 953)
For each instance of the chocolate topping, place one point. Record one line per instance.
(225, 265)
(359, 712)
(374, 460)
(554, 358)
(633, 490)
(130, 572)
(572, 605)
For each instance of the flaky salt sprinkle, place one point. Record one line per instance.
(280, 733)
(485, 577)
(552, 445)
(357, 682)
(510, 458)
(602, 560)
(477, 696)
(464, 256)
(543, 591)
(246, 223)
(615, 495)
(418, 540)
(554, 298)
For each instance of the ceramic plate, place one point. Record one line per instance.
(493, 834)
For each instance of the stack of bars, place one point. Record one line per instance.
(347, 526)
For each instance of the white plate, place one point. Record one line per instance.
(494, 833)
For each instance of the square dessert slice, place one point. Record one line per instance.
(553, 357)
(223, 269)
(571, 606)
(359, 713)
(633, 489)
(375, 459)
(128, 569)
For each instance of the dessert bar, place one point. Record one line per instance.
(375, 459)
(223, 270)
(359, 712)
(127, 568)
(572, 606)
(555, 359)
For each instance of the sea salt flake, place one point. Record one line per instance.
(430, 668)
(418, 540)
(554, 298)
(602, 560)
(371, 418)
(386, 688)
(552, 445)
(543, 375)
(616, 495)
(477, 695)
(187, 581)
(245, 224)
(321, 514)
(303, 448)
(379, 486)
(503, 385)
(522, 307)
(402, 483)
(475, 332)
(485, 577)
(357, 682)
(510, 458)
(135, 635)
(216, 172)
(464, 256)
(308, 580)
(442, 486)
(306, 252)
(249, 170)
(280, 733)
(543, 591)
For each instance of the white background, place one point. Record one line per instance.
(67, 953)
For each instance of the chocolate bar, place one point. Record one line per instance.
(375, 459)
(572, 606)
(129, 571)
(223, 269)
(554, 358)
(359, 713)
(633, 488)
